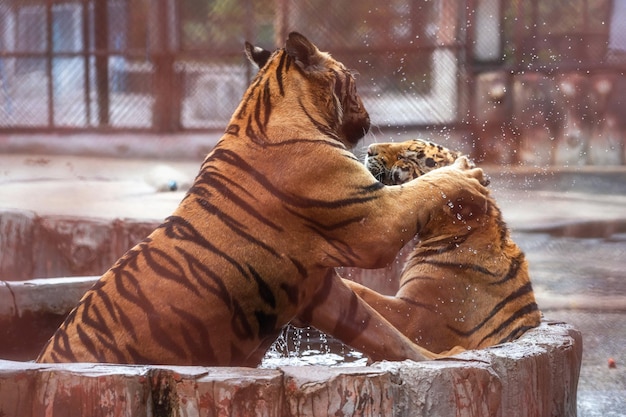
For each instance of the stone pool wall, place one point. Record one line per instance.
(535, 376)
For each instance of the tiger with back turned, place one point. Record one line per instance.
(277, 205)
(466, 283)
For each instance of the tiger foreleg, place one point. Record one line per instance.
(338, 311)
(397, 312)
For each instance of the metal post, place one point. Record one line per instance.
(86, 63)
(166, 115)
(101, 29)
(49, 55)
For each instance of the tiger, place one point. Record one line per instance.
(395, 163)
(466, 284)
(277, 205)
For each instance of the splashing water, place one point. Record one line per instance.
(307, 346)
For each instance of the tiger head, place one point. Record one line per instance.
(396, 163)
(340, 114)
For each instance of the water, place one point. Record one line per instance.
(309, 346)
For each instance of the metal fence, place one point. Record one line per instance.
(176, 65)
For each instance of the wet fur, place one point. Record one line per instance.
(277, 205)
(466, 283)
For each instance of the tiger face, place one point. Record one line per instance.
(396, 163)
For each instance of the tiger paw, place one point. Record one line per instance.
(469, 168)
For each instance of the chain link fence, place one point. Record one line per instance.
(167, 65)
(178, 65)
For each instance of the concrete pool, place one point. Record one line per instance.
(75, 224)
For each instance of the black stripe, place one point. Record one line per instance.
(515, 333)
(304, 273)
(267, 103)
(345, 249)
(198, 341)
(206, 179)
(264, 103)
(206, 277)
(166, 267)
(279, 73)
(417, 303)
(318, 225)
(324, 128)
(306, 315)
(96, 322)
(164, 340)
(347, 327)
(61, 346)
(265, 291)
(528, 308)
(177, 227)
(112, 346)
(71, 316)
(434, 248)
(373, 187)
(267, 323)
(248, 96)
(252, 135)
(126, 322)
(235, 226)
(239, 322)
(108, 304)
(135, 294)
(520, 292)
(514, 268)
(233, 159)
(463, 266)
(416, 278)
(232, 129)
(289, 61)
(248, 208)
(87, 342)
(137, 357)
(292, 292)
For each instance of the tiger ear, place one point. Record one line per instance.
(302, 50)
(257, 54)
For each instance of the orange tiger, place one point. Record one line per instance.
(466, 283)
(277, 205)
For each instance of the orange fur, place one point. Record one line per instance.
(466, 283)
(277, 205)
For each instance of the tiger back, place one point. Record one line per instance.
(466, 282)
(276, 206)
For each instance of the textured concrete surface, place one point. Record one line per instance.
(536, 376)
